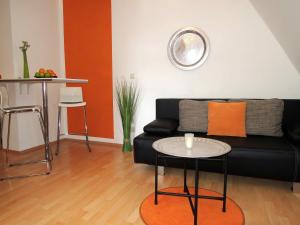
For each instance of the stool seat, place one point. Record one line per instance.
(20, 109)
(71, 104)
(71, 97)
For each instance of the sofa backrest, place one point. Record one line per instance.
(168, 108)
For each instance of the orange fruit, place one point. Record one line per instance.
(50, 71)
(42, 70)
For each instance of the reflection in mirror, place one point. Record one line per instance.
(188, 48)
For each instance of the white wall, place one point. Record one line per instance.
(39, 23)
(6, 58)
(6, 65)
(283, 19)
(245, 58)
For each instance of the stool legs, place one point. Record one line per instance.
(86, 129)
(7, 143)
(58, 130)
(8, 135)
(1, 130)
(27, 162)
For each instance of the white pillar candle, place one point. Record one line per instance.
(189, 137)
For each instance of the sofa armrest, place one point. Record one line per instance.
(161, 127)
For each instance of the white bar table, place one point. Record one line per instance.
(44, 82)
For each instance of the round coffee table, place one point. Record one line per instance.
(203, 148)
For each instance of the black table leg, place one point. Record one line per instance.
(225, 182)
(184, 178)
(196, 196)
(196, 192)
(156, 179)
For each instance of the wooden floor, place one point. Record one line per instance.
(106, 187)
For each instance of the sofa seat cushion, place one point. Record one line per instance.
(253, 142)
(257, 156)
(259, 143)
(293, 132)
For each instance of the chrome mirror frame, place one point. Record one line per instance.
(188, 48)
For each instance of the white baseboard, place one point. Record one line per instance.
(97, 139)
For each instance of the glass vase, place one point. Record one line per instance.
(127, 147)
(26, 68)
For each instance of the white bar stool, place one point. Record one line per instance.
(5, 109)
(71, 97)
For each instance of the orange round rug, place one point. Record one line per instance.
(173, 210)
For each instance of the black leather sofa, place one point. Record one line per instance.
(255, 156)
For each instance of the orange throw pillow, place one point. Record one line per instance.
(227, 119)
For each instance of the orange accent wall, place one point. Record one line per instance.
(88, 55)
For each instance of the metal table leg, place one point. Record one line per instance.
(184, 178)
(156, 179)
(48, 153)
(225, 181)
(196, 192)
(196, 195)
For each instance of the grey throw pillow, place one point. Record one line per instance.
(264, 117)
(193, 116)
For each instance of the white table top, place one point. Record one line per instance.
(202, 147)
(39, 80)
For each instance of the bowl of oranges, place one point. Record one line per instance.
(42, 73)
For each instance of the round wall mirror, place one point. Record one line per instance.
(188, 48)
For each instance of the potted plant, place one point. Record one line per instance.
(127, 98)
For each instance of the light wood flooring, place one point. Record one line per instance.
(106, 187)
